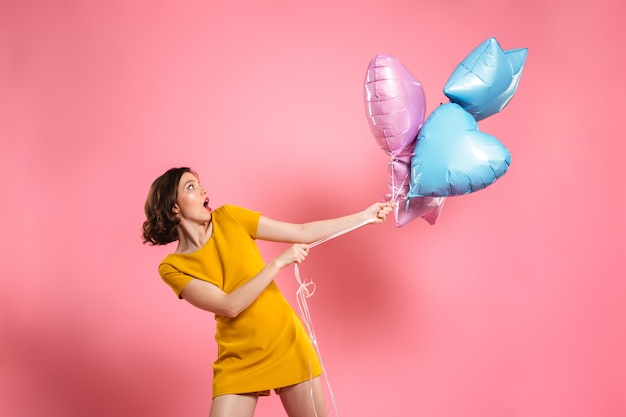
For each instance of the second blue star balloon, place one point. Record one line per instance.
(486, 80)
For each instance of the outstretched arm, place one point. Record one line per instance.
(278, 231)
(209, 297)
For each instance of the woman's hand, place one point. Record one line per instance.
(296, 253)
(377, 212)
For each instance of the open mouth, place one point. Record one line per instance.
(206, 204)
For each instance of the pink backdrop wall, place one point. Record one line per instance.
(512, 305)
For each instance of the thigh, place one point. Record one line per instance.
(304, 400)
(234, 405)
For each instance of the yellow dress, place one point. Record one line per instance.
(266, 346)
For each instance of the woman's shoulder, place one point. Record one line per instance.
(232, 209)
(177, 262)
(236, 212)
(229, 215)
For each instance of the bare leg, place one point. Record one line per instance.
(304, 400)
(234, 405)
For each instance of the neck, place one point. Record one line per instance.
(190, 239)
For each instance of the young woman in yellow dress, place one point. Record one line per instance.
(217, 267)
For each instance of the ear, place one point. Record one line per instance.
(175, 209)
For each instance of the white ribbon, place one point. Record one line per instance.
(305, 290)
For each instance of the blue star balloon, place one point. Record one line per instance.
(486, 80)
(451, 157)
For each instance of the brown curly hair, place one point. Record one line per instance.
(160, 225)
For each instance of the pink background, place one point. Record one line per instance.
(511, 305)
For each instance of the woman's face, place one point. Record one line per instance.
(192, 202)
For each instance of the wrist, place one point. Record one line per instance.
(274, 266)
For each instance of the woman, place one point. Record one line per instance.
(217, 266)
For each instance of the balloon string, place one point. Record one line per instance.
(305, 290)
(396, 189)
(339, 233)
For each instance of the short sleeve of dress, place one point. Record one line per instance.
(174, 278)
(248, 219)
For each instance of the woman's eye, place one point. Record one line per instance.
(190, 187)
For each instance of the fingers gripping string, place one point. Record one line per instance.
(305, 290)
